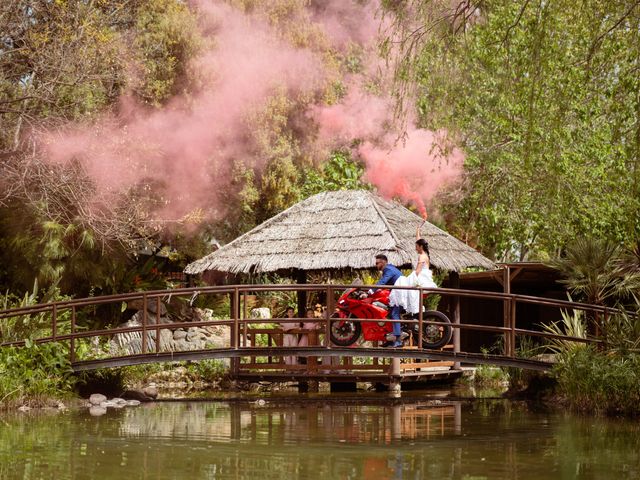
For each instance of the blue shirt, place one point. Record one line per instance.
(389, 275)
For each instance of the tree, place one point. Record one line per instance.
(340, 172)
(544, 99)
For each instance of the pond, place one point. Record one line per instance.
(328, 437)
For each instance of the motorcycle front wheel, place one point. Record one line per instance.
(435, 335)
(344, 333)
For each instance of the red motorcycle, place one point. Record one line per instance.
(353, 304)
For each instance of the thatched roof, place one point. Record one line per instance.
(337, 230)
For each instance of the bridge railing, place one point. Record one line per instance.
(66, 313)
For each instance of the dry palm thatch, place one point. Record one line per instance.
(338, 230)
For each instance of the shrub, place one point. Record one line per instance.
(600, 382)
(34, 373)
(488, 376)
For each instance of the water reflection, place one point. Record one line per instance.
(290, 424)
(321, 439)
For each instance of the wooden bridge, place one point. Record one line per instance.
(254, 346)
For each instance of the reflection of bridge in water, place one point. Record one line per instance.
(255, 347)
(328, 437)
(281, 422)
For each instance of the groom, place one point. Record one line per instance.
(390, 275)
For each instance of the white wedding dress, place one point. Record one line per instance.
(410, 299)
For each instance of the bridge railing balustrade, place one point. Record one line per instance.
(160, 323)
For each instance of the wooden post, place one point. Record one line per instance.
(158, 324)
(301, 276)
(72, 347)
(144, 323)
(454, 282)
(328, 313)
(512, 328)
(394, 380)
(235, 316)
(420, 318)
(245, 315)
(506, 307)
(54, 321)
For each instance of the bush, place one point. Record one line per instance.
(34, 373)
(489, 376)
(600, 382)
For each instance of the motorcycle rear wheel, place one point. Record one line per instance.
(344, 333)
(435, 336)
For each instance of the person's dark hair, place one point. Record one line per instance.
(380, 256)
(290, 308)
(423, 243)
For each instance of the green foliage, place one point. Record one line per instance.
(207, 370)
(34, 373)
(597, 271)
(165, 39)
(543, 98)
(601, 382)
(202, 371)
(572, 324)
(340, 172)
(621, 332)
(37, 325)
(489, 376)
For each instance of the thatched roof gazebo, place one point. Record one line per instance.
(334, 231)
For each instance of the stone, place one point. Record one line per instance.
(182, 345)
(24, 408)
(136, 396)
(191, 336)
(107, 404)
(262, 313)
(97, 399)
(138, 304)
(119, 400)
(166, 340)
(96, 411)
(179, 334)
(133, 403)
(151, 390)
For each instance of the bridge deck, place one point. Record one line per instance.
(221, 353)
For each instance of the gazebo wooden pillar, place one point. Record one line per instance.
(301, 278)
(454, 282)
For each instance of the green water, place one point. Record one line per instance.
(358, 438)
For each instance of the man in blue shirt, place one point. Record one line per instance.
(390, 275)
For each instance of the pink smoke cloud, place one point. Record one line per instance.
(358, 115)
(189, 146)
(347, 21)
(415, 169)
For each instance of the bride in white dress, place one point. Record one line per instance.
(420, 277)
